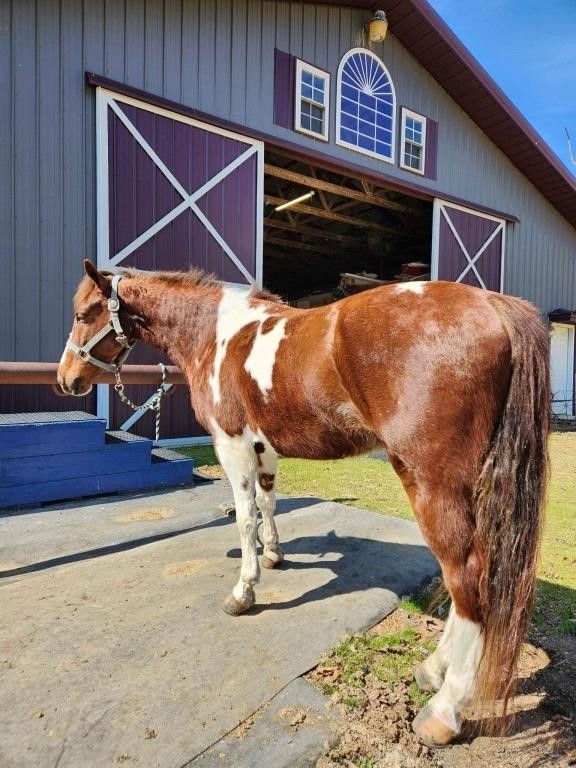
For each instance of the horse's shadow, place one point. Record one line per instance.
(357, 564)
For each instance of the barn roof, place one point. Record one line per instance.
(421, 30)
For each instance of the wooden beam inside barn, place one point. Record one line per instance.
(322, 234)
(335, 189)
(322, 214)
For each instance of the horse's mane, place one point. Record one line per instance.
(194, 277)
(198, 277)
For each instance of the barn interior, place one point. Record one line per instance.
(343, 235)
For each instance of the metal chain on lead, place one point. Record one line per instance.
(153, 405)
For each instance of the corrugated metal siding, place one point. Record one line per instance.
(216, 56)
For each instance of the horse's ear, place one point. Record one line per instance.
(100, 280)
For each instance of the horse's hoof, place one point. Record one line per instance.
(234, 607)
(268, 562)
(424, 681)
(431, 730)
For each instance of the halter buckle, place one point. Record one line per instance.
(122, 339)
(113, 305)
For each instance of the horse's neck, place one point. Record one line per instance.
(178, 319)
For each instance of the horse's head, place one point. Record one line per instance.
(96, 342)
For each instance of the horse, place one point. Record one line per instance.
(452, 381)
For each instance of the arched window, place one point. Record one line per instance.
(366, 105)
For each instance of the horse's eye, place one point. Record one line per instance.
(78, 317)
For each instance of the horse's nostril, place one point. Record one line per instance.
(76, 386)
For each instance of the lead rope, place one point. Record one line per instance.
(153, 405)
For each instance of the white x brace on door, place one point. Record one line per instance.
(174, 192)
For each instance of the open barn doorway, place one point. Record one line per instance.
(342, 236)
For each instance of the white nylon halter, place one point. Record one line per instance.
(113, 326)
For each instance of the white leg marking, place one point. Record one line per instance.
(458, 687)
(260, 361)
(237, 457)
(436, 664)
(266, 502)
(417, 286)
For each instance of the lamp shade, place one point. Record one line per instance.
(378, 27)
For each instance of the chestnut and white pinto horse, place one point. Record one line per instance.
(451, 380)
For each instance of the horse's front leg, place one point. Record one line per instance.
(266, 503)
(238, 461)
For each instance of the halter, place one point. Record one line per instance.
(112, 326)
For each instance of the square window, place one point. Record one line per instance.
(412, 152)
(366, 143)
(367, 100)
(368, 129)
(384, 121)
(383, 149)
(349, 92)
(348, 121)
(312, 100)
(367, 114)
(351, 137)
(383, 134)
(349, 107)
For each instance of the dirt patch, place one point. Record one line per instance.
(378, 712)
(184, 568)
(150, 513)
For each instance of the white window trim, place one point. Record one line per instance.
(304, 66)
(409, 113)
(354, 147)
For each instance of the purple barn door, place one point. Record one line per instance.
(173, 193)
(468, 247)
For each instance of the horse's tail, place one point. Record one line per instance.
(509, 499)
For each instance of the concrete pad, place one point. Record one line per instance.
(293, 730)
(113, 648)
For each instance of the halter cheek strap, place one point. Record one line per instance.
(112, 326)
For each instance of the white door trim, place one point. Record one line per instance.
(568, 361)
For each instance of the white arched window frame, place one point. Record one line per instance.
(366, 105)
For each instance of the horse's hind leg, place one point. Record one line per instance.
(266, 502)
(238, 461)
(453, 669)
(445, 519)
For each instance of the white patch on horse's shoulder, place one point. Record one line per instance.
(417, 286)
(234, 312)
(260, 362)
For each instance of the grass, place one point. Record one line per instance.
(391, 659)
(372, 484)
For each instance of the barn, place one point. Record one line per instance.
(288, 142)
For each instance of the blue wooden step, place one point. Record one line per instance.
(166, 469)
(58, 456)
(46, 434)
(122, 451)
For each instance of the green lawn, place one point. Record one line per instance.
(372, 484)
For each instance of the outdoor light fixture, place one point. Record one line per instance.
(377, 27)
(296, 200)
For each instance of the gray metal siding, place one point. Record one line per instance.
(216, 56)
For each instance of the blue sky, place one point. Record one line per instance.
(529, 48)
